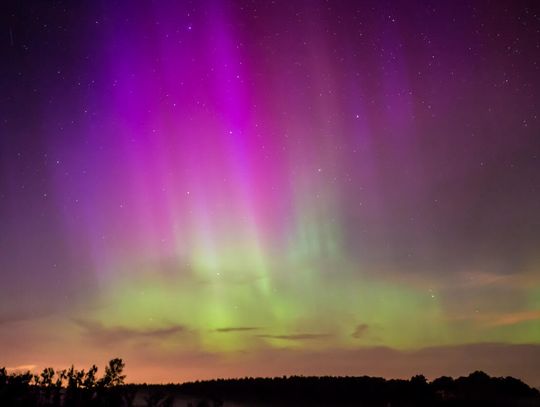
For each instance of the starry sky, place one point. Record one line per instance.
(228, 188)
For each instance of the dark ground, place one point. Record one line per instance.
(477, 389)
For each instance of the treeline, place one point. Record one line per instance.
(476, 389)
(72, 387)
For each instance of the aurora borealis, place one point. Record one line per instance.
(231, 188)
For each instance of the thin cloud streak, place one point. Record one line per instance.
(515, 318)
(295, 337)
(237, 329)
(101, 333)
(360, 331)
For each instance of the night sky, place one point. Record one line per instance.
(230, 188)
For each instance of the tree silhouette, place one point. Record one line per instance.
(90, 380)
(113, 373)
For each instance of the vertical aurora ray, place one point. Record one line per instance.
(194, 171)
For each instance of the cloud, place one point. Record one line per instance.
(515, 318)
(490, 320)
(295, 337)
(360, 331)
(483, 278)
(106, 334)
(8, 319)
(21, 368)
(11, 318)
(237, 329)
